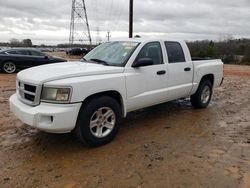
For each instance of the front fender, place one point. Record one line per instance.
(85, 86)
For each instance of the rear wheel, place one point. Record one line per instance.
(9, 67)
(98, 121)
(203, 95)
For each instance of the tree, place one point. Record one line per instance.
(27, 43)
(15, 43)
(246, 58)
(210, 49)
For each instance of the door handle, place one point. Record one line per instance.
(161, 72)
(187, 69)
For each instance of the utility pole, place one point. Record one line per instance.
(108, 35)
(131, 18)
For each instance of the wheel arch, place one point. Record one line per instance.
(6, 60)
(209, 77)
(111, 93)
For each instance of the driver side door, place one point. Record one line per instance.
(147, 85)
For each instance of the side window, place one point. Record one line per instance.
(175, 52)
(11, 52)
(23, 52)
(151, 50)
(36, 53)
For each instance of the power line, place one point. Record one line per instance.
(119, 16)
(98, 39)
(109, 16)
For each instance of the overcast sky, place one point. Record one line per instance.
(47, 21)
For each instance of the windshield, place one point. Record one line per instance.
(111, 53)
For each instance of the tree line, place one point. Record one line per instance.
(28, 43)
(17, 43)
(232, 51)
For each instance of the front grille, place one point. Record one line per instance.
(29, 97)
(29, 93)
(30, 88)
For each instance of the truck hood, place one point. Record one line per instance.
(51, 72)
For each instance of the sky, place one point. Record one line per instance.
(48, 21)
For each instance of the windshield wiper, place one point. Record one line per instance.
(83, 59)
(99, 61)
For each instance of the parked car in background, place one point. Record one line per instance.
(21, 58)
(77, 51)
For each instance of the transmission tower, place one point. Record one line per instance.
(79, 26)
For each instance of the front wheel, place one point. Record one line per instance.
(9, 67)
(98, 121)
(203, 95)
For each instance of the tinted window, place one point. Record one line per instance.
(11, 52)
(151, 50)
(36, 53)
(23, 52)
(175, 52)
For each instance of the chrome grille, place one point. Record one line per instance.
(29, 93)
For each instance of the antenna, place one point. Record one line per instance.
(79, 26)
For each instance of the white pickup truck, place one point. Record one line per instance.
(91, 96)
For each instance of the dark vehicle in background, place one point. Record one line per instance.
(21, 58)
(77, 51)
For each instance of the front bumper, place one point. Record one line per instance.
(54, 118)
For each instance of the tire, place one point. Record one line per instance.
(203, 95)
(9, 67)
(98, 121)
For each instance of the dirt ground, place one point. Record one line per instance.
(169, 145)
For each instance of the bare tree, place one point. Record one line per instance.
(15, 43)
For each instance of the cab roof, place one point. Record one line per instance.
(144, 40)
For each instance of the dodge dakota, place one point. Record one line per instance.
(91, 96)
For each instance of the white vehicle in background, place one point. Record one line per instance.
(91, 97)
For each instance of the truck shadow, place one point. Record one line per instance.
(135, 120)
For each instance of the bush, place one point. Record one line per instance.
(229, 59)
(245, 60)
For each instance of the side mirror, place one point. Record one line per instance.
(46, 57)
(143, 62)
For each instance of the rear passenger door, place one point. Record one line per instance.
(180, 71)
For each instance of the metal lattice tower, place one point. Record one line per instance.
(79, 26)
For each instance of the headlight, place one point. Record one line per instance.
(61, 95)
